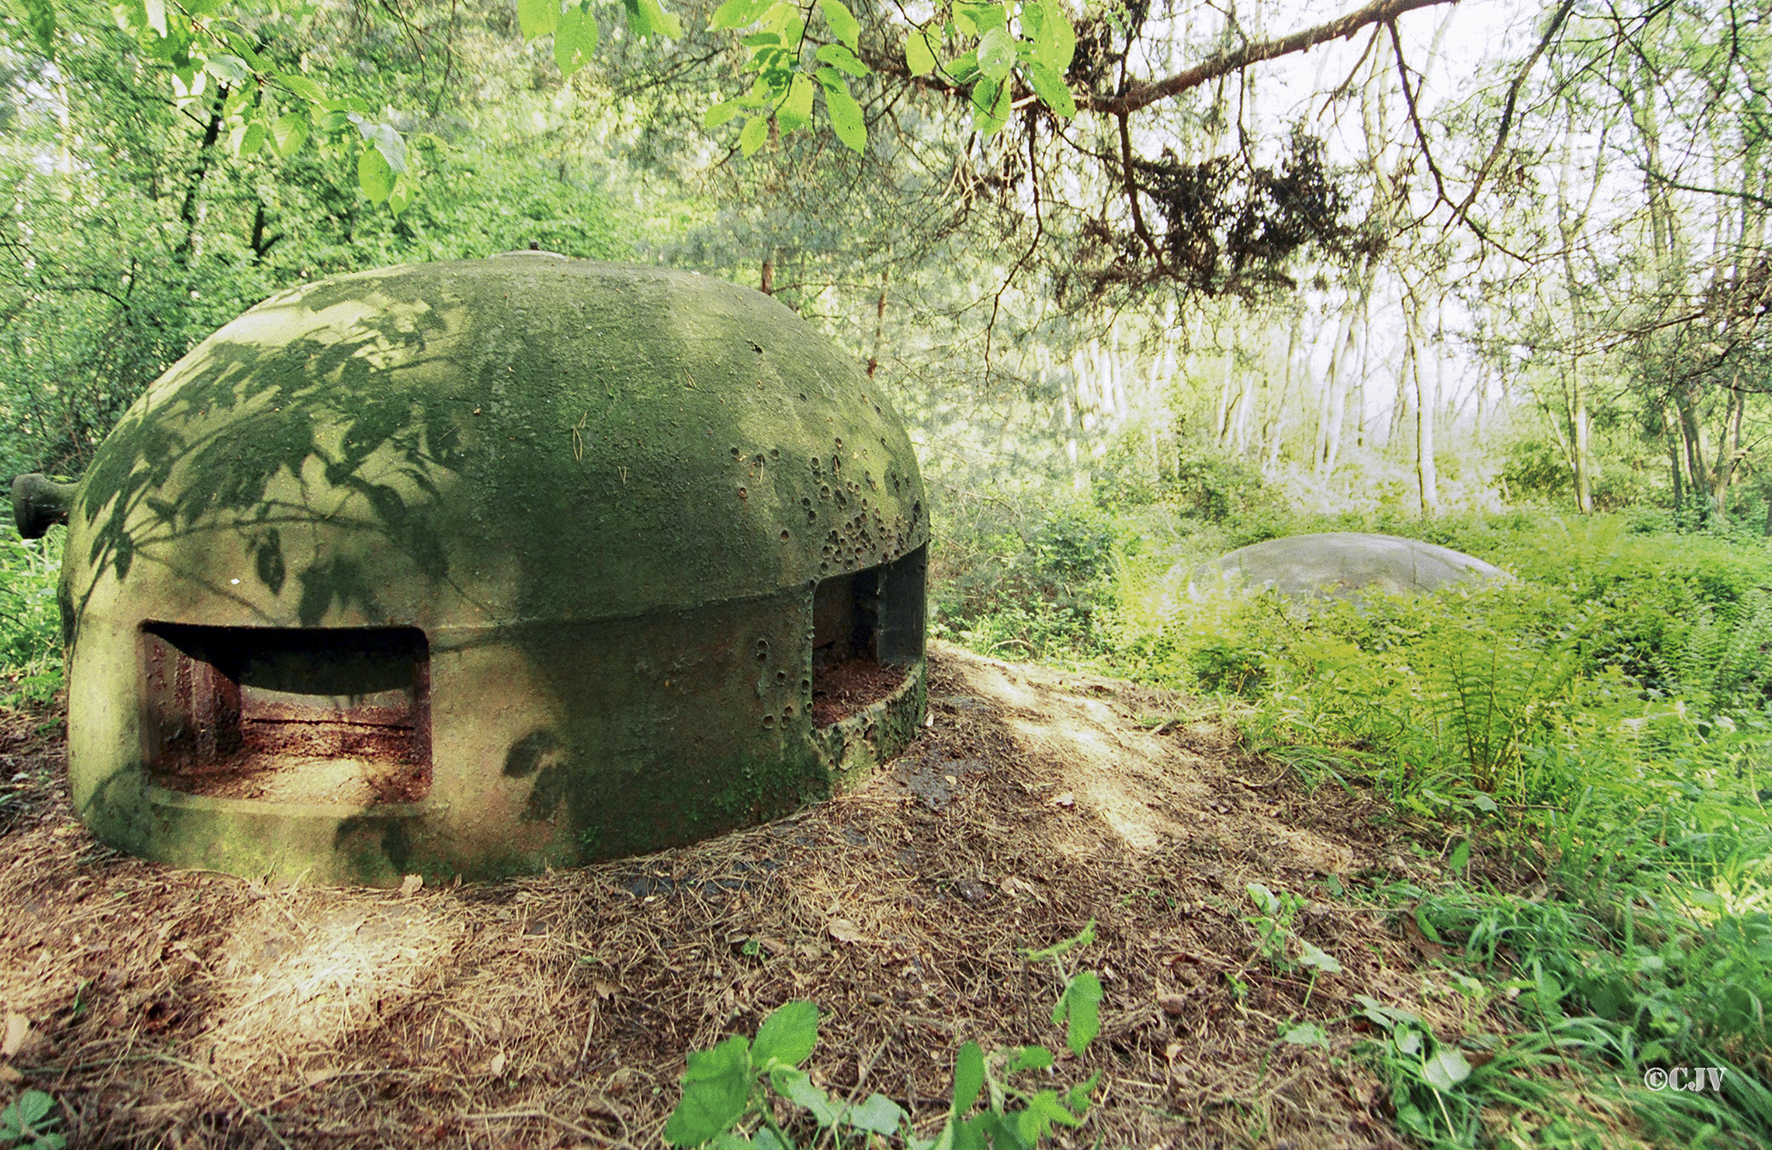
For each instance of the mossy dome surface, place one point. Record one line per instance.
(518, 439)
(479, 568)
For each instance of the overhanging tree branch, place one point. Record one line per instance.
(1142, 95)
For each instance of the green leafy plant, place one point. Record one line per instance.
(29, 1122)
(727, 1091)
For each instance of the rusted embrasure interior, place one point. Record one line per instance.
(317, 716)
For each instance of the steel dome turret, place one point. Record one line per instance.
(472, 568)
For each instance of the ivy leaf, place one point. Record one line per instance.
(575, 38)
(1446, 1069)
(968, 1077)
(756, 130)
(843, 23)
(715, 1087)
(796, 111)
(846, 118)
(919, 57)
(738, 13)
(40, 19)
(1051, 88)
(787, 1036)
(537, 17)
(374, 175)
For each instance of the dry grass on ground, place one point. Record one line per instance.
(200, 1010)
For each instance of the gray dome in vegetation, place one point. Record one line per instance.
(1339, 564)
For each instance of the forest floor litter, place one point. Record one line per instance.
(175, 1009)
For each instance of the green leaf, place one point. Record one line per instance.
(1427, 927)
(537, 17)
(756, 130)
(738, 13)
(843, 23)
(1080, 1004)
(1050, 87)
(227, 69)
(975, 19)
(1312, 956)
(846, 118)
(247, 139)
(1461, 856)
(796, 111)
(1047, 1106)
(1078, 1096)
(796, 1086)
(1446, 1069)
(302, 86)
(879, 1115)
(1307, 1034)
(919, 56)
(40, 19)
(787, 1036)
(996, 53)
(720, 113)
(648, 18)
(1030, 1058)
(968, 1077)
(374, 175)
(1264, 899)
(387, 141)
(715, 1087)
(405, 190)
(990, 101)
(155, 12)
(575, 39)
(841, 57)
(1055, 42)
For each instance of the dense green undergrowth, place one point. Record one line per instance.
(1605, 721)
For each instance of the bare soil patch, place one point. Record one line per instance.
(183, 1009)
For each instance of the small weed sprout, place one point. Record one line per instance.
(29, 1123)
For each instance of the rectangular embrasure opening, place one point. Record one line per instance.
(867, 627)
(333, 715)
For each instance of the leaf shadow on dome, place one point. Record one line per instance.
(206, 456)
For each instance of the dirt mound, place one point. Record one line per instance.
(180, 1009)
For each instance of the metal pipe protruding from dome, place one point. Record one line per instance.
(39, 501)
